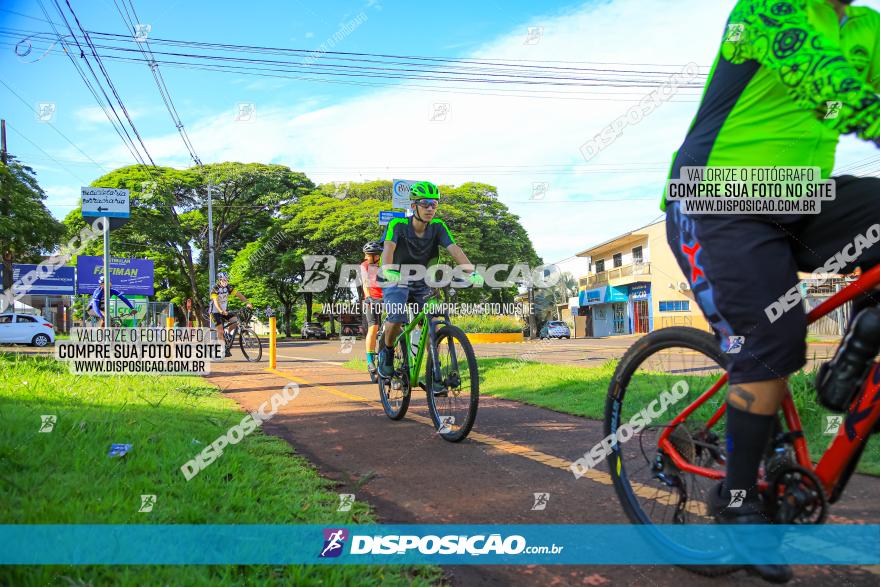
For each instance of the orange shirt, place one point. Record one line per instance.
(369, 278)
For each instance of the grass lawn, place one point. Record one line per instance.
(66, 477)
(582, 391)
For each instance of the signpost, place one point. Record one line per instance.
(385, 216)
(400, 193)
(106, 203)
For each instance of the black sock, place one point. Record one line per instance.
(747, 436)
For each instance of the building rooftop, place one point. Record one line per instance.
(617, 242)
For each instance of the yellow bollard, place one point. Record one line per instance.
(169, 322)
(273, 342)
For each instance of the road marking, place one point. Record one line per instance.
(310, 360)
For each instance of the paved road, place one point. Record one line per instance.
(588, 352)
(410, 475)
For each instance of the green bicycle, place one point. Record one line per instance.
(453, 392)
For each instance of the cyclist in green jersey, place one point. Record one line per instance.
(791, 77)
(414, 241)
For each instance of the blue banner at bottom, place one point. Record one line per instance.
(439, 544)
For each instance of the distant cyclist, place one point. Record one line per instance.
(790, 78)
(94, 307)
(219, 299)
(372, 298)
(414, 241)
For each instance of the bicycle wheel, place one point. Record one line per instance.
(675, 366)
(250, 344)
(395, 391)
(455, 408)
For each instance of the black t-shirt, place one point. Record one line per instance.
(412, 250)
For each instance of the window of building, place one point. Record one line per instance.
(675, 306)
(600, 265)
(618, 259)
(637, 255)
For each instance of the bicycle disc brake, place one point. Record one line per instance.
(797, 497)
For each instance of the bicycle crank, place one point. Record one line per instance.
(796, 496)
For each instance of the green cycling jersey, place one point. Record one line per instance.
(789, 79)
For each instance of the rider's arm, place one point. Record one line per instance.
(446, 240)
(779, 36)
(365, 279)
(113, 292)
(387, 261)
(459, 257)
(240, 296)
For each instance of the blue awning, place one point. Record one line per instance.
(602, 295)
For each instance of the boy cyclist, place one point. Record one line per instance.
(414, 241)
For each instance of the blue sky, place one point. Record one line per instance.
(339, 132)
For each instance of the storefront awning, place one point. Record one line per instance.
(602, 295)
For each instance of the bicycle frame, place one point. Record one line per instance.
(428, 323)
(860, 418)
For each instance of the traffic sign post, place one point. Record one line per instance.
(106, 203)
(400, 193)
(385, 216)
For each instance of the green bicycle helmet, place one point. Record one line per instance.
(423, 190)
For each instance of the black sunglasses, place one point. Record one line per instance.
(427, 203)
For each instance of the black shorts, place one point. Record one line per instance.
(743, 269)
(372, 309)
(221, 319)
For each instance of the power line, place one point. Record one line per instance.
(13, 129)
(53, 127)
(68, 50)
(157, 76)
(106, 75)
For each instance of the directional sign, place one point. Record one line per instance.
(110, 202)
(400, 193)
(385, 216)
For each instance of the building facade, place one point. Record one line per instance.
(634, 286)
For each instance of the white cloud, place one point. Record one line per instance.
(506, 141)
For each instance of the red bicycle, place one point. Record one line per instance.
(662, 473)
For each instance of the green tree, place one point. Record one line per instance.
(27, 228)
(169, 218)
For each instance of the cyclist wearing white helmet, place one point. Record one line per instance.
(219, 298)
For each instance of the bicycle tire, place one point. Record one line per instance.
(659, 340)
(253, 348)
(396, 409)
(473, 402)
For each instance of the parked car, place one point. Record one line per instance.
(313, 330)
(26, 329)
(555, 329)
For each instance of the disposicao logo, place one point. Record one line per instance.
(334, 541)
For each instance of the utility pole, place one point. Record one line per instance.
(3, 141)
(211, 274)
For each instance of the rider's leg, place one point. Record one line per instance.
(218, 328)
(394, 298)
(738, 289)
(751, 411)
(742, 271)
(230, 326)
(372, 315)
(372, 331)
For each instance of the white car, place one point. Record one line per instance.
(26, 329)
